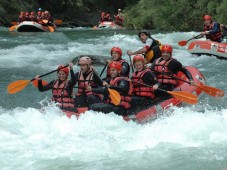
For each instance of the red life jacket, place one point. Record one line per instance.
(162, 67)
(108, 69)
(213, 37)
(83, 83)
(125, 99)
(61, 95)
(139, 89)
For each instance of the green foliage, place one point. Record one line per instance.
(174, 15)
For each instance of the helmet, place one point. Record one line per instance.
(119, 9)
(138, 58)
(85, 60)
(65, 69)
(39, 12)
(107, 15)
(26, 13)
(167, 48)
(46, 12)
(145, 32)
(117, 49)
(116, 65)
(22, 13)
(207, 17)
(103, 13)
(32, 13)
(40, 9)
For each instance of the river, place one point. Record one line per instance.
(193, 137)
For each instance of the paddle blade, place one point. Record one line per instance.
(212, 91)
(45, 21)
(58, 22)
(17, 86)
(35, 83)
(51, 29)
(115, 96)
(182, 43)
(184, 96)
(12, 28)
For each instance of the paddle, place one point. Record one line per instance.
(180, 95)
(131, 63)
(19, 85)
(114, 95)
(103, 69)
(13, 28)
(184, 42)
(212, 91)
(49, 27)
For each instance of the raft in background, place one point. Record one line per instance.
(207, 47)
(30, 26)
(108, 25)
(145, 113)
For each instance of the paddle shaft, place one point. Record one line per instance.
(103, 69)
(50, 72)
(131, 63)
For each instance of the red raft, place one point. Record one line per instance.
(158, 107)
(207, 47)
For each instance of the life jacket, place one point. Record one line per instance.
(162, 67)
(83, 83)
(108, 69)
(154, 51)
(140, 89)
(125, 99)
(62, 96)
(213, 37)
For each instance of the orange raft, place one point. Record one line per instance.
(158, 107)
(207, 47)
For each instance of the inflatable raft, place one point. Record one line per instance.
(30, 26)
(207, 47)
(145, 113)
(108, 25)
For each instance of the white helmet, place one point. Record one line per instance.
(85, 60)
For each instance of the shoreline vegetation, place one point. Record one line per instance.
(166, 15)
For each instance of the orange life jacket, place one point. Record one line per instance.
(139, 89)
(61, 95)
(108, 68)
(125, 99)
(83, 83)
(162, 67)
(215, 36)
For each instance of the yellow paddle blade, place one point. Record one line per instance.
(51, 29)
(35, 83)
(184, 96)
(12, 28)
(115, 96)
(212, 91)
(17, 86)
(45, 21)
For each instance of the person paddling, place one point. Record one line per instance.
(166, 65)
(116, 55)
(62, 88)
(211, 29)
(119, 83)
(151, 48)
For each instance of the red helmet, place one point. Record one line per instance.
(207, 17)
(116, 65)
(85, 60)
(32, 13)
(22, 13)
(65, 69)
(26, 13)
(138, 58)
(167, 48)
(117, 49)
(103, 13)
(39, 12)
